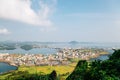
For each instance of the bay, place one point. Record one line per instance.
(103, 57)
(32, 51)
(4, 67)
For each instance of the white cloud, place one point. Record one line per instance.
(21, 10)
(4, 31)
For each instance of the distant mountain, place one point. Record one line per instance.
(73, 42)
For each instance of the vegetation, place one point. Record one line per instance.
(27, 47)
(98, 70)
(24, 75)
(62, 72)
(7, 47)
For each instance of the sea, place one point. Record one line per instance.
(4, 67)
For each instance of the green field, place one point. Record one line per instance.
(62, 70)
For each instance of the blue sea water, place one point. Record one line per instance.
(4, 67)
(32, 51)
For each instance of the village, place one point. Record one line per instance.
(64, 56)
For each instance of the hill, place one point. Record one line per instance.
(73, 42)
(98, 70)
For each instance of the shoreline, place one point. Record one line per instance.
(2, 73)
(88, 57)
(62, 57)
(9, 63)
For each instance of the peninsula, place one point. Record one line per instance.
(64, 56)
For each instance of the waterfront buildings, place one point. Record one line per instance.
(63, 57)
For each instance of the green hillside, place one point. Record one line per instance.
(98, 70)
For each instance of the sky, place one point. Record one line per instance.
(60, 20)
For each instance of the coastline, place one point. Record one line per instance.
(62, 57)
(9, 63)
(87, 58)
(2, 73)
(95, 58)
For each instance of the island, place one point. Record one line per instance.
(73, 42)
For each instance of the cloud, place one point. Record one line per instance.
(21, 10)
(4, 31)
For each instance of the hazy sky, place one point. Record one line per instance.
(60, 20)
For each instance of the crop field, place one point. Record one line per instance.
(62, 70)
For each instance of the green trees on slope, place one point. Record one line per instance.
(27, 47)
(98, 70)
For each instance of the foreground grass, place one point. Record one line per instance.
(62, 70)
